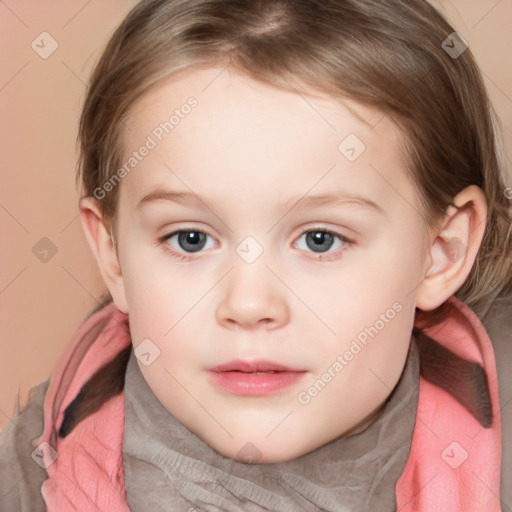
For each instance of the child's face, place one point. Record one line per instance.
(342, 314)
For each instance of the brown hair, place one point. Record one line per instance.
(387, 54)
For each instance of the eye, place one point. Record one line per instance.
(189, 240)
(185, 242)
(321, 240)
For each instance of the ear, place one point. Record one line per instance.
(100, 242)
(453, 248)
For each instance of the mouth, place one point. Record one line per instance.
(254, 378)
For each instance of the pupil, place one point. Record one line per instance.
(320, 240)
(191, 240)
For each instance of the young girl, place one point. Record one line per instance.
(299, 213)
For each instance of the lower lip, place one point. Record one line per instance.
(255, 384)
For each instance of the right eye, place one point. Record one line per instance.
(189, 240)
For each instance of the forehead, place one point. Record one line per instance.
(245, 139)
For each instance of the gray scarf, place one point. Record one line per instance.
(167, 467)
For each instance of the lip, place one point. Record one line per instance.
(259, 365)
(254, 378)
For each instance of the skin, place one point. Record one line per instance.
(246, 150)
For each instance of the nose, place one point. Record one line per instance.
(252, 298)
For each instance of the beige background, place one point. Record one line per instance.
(42, 303)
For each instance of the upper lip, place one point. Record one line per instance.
(260, 365)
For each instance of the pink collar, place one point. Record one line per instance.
(454, 463)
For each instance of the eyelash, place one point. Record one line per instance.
(321, 256)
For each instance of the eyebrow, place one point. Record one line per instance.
(299, 203)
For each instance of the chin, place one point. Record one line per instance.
(258, 451)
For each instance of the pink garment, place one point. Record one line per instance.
(454, 464)
(88, 473)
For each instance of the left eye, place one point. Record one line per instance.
(321, 240)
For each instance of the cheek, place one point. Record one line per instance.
(341, 398)
(149, 279)
(373, 283)
(394, 265)
(372, 310)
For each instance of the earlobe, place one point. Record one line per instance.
(100, 242)
(453, 249)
